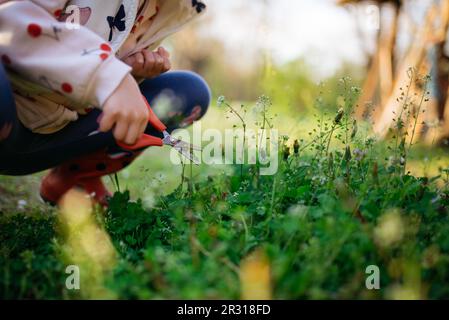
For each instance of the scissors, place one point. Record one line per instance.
(146, 140)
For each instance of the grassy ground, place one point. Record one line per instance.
(152, 175)
(335, 207)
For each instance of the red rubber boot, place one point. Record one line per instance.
(84, 172)
(97, 190)
(56, 184)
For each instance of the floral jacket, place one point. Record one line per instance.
(58, 71)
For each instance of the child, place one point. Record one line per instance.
(77, 92)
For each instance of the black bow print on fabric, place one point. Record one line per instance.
(199, 6)
(117, 22)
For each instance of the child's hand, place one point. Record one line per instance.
(148, 64)
(125, 112)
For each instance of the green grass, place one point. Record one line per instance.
(339, 203)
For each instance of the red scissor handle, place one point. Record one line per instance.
(146, 140)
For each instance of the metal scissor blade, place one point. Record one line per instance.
(185, 145)
(184, 148)
(186, 153)
(177, 143)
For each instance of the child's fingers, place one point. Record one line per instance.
(167, 64)
(166, 59)
(155, 62)
(133, 133)
(159, 60)
(130, 61)
(140, 59)
(121, 130)
(163, 52)
(150, 61)
(139, 63)
(107, 122)
(136, 60)
(143, 126)
(159, 64)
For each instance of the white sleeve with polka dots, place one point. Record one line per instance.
(53, 7)
(75, 62)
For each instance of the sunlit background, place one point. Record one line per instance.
(236, 40)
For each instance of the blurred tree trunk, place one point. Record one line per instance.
(369, 87)
(381, 67)
(404, 77)
(388, 85)
(387, 45)
(443, 72)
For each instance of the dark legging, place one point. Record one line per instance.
(177, 98)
